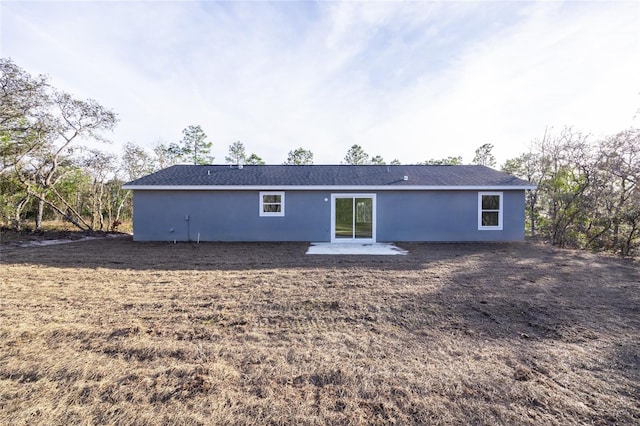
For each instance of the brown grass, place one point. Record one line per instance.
(116, 332)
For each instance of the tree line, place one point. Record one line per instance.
(588, 192)
(51, 166)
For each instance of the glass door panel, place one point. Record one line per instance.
(363, 218)
(344, 218)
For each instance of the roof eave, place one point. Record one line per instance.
(328, 187)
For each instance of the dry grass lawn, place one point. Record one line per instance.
(117, 332)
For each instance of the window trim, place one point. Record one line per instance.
(261, 204)
(374, 217)
(500, 212)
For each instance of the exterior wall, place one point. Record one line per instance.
(445, 216)
(227, 216)
(234, 216)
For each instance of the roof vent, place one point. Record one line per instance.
(208, 172)
(405, 178)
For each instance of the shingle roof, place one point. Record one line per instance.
(326, 175)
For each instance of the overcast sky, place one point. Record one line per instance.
(408, 81)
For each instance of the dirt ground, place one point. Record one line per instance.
(115, 332)
(10, 238)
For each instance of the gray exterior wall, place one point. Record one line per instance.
(234, 216)
(445, 216)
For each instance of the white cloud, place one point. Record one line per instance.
(553, 69)
(411, 81)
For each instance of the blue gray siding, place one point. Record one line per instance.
(227, 216)
(444, 216)
(234, 216)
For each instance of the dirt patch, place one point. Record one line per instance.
(10, 238)
(112, 331)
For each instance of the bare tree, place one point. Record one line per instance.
(24, 101)
(618, 165)
(566, 159)
(101, 166)
(163, 156)
(136, 161)
(73, 120)
(41, 130)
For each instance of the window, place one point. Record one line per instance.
(490, 210)
(272, 204)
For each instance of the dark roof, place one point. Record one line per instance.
(327, 175)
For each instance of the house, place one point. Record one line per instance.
(328, 203)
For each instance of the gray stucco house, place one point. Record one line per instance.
(328, 203)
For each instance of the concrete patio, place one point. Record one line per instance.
(373, 249)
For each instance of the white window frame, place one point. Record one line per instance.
(374, 217)
(480, 211)
(261, 204)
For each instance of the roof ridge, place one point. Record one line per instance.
(329, 175)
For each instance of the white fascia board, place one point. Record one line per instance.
(325, 188)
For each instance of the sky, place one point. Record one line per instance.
(405, 80)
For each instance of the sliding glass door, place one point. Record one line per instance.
(353, 217)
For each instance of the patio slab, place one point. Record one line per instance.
(375, 249)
